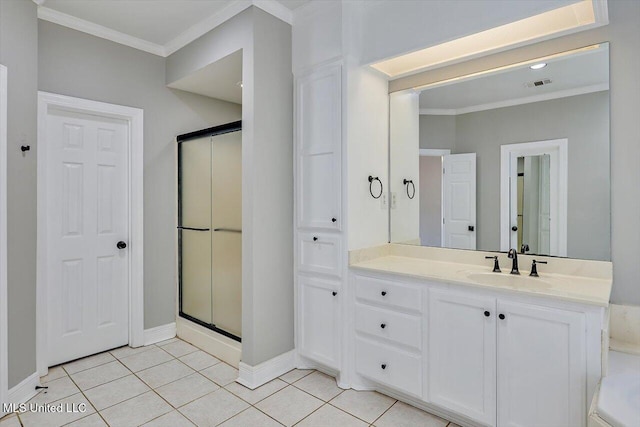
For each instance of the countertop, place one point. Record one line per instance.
(578, 289)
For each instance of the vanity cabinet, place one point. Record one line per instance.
(319, 320)
(319, 146)
(485, 356)
(462, 353)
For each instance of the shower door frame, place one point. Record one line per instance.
(211, 132)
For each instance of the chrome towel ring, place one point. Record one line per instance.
(371, 179)
(407, 183)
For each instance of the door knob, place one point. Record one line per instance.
(471, 228)
(121, 245)
(334, 219)
(514, 228)
(487, 314)
(501, 316)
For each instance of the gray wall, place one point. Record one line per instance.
(77, 64)
(437, 132)
(19, 52)
(584, 121)
(430, 200)
(623, 34)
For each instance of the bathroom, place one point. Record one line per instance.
(276, 210)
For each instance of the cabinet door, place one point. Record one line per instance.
(462, 354)
(541, 366)
(319, 136)
(319, 316)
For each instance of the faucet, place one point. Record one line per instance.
(534, 269)
(496, 265)
(513, 254)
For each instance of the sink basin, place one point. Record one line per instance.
(510, 280)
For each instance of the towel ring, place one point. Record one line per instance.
(406, 183)
(371, 179)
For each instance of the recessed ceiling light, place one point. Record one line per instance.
(538, 66)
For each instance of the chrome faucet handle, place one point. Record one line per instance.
(534, 269)
(496, 265)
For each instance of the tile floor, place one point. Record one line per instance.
(174, 384)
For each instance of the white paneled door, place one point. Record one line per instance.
(459, 201)
(87, 269)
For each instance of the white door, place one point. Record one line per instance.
(319, 310)
(541, 366)
(87, 215)
(459, 201)
(462, 354)
(319, 134)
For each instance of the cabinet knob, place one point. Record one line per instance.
(383, 293)
(383, 366)
(315, 239)
(514, 228)
(334, 293)
(121, 245)
(333, 219)
(487, 314)
(501, 316)
(383, 325)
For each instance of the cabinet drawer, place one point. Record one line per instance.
(319, 253)
(388, 366)
(388, 293)
(400, 328)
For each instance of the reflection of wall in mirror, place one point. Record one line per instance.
(430, 200)
(582, 119)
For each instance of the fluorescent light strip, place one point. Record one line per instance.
(507, 67)
(551, 22)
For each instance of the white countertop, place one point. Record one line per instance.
(585, 290)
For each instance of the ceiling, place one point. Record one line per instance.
(157, 26)
(220, 79)
(583, 72)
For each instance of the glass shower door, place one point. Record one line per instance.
(210, 230)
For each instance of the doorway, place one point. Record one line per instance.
(90, 230)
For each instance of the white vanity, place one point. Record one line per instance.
(512, 351)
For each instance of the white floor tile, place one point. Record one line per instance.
(94, 420)
(136, 411)
(331, 416)
(10, 421)
(222, 374)
(256, 395)
(320, 385)
(453, 425)
(88, 362)
(366, 405)
(99, 375)
(186, 389)
(289, 405)
(127, 351)
(199, 360)
(117, 391)
(251, 418)
(57, 389)
(295, 374)
(146, 359)
(53, 374)
(214, 408)
(179, 348)
(56, 419)
(165, 373)
(403, 415)
(172, 419)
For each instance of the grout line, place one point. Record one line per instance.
(387, 410)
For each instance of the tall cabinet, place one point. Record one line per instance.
(319, 236)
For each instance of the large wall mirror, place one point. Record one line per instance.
(516, 157)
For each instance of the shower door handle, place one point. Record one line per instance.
(193, 228)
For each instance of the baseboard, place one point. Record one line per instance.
(255, 376)
(222, 347)
(25, 390)
(159, 333)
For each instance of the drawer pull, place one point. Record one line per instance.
(383, 293)
(487, 314)
(334, 293)
(501, 316)
(383, 366)
(383, 325)
(334, 219)
(315, 239)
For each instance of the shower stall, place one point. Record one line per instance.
(210, 228)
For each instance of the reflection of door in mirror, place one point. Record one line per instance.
(534, 204)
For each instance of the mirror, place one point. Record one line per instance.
(516, 157)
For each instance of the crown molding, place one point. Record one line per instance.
(51, 15)
(197, 30)
(516, 101)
